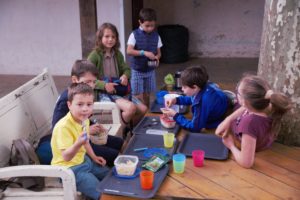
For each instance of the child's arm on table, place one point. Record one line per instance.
(224, 127)
(245, 156)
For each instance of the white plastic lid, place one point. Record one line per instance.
(125, 158)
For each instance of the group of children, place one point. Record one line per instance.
(254, 124)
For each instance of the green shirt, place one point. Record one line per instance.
(96, 57)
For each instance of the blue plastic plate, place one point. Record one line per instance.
(148, 153)
(136, 173)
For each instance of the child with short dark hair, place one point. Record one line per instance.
(70, 142)
(83, 71)
(256, 123)
(209, 103)
(144, 45)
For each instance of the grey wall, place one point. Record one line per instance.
(113, 12)
(35, 34)
(117, 12)
(218, 28)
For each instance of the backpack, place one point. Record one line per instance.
(22, 153)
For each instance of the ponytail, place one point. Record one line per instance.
(280, 105)
(258, 93)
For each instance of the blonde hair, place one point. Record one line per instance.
(258, 93)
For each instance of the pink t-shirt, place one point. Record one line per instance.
(256, 126)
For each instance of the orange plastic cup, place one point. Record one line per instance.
(146, 179)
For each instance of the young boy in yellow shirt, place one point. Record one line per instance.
(70, 142)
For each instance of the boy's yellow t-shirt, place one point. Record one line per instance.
(65, 134)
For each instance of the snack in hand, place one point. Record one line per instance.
(164, 110)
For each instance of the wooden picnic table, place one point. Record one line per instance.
(275, 175)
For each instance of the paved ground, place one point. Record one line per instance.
(225, 71)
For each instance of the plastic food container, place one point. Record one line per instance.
(100, 138)
(126, 164)
(167, 122)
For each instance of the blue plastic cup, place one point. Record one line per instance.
(179, 163)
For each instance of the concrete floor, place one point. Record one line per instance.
(224, 71)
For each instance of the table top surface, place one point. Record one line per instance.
(275, 175)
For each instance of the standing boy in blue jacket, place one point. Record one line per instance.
(144, 45)
(209, 103)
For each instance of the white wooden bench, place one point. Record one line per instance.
(27, 113)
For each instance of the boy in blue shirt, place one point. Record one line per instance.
(209, 103)
(144, 45)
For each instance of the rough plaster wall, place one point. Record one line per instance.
(113, 12)
(230, 28)
(36, 34)
(280, 58)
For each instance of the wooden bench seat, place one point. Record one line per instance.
(27, 113)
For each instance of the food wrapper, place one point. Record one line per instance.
(156, 162)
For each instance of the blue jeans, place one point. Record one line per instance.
(88, 176)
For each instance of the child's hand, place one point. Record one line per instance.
(170, 102)
(124, 80)
(228, 141)
(169, 112)
(110, 88)
(150, 55)
(83, 138)
(99, 160)
(223, 129)
(96, 128)
(157, 60)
